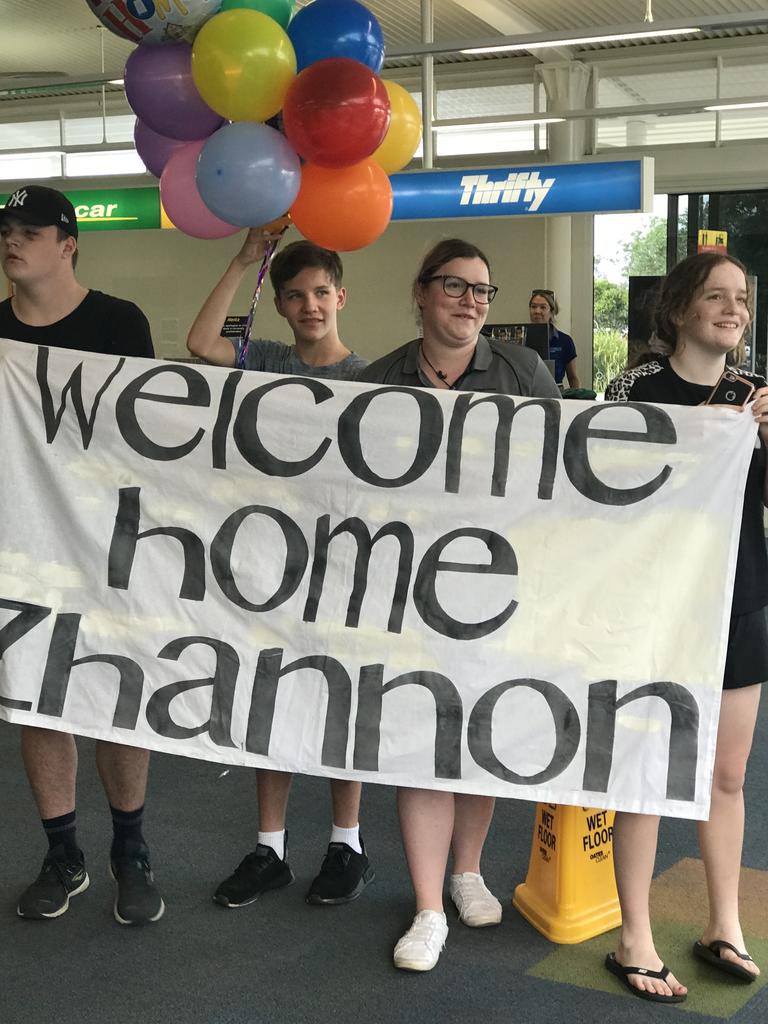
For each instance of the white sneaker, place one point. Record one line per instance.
(476, 904)
(419, 949)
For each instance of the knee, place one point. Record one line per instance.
(729, 776)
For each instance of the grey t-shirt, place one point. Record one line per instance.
(275, 357)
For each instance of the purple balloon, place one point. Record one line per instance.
(162, 94)
(155, 150)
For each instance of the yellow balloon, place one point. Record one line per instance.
(404, 132)
(242, 64)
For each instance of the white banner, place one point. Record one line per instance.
(477, 593)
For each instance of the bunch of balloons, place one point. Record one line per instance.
(245, 113)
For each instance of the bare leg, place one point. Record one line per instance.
(272, 791)
(472, 820)
(426, 824)
(634, 851)
(50, 761)
(345, 796)
(722, 836)
(123, 772)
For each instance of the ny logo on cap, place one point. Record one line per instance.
(18, 198)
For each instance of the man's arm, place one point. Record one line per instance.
(205, 340)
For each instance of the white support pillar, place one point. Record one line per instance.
(569, 239)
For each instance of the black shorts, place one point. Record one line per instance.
(746, 658)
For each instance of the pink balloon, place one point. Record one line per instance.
(181, 199)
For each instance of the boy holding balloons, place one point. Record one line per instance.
(308, 292)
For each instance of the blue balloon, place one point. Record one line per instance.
(336, 28)
(248, 174)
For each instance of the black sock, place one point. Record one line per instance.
(127, 827)
(61, 831)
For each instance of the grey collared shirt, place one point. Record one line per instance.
(496, 366)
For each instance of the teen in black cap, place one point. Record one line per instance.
(38, 249)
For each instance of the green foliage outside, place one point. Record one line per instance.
(646, 251)
(609, 357)
(610, 306)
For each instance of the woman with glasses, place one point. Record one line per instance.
(542, 309)
(452, 291)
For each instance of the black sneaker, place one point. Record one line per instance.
(137, 900)
(343, 875)
(61, 876)
(257, 873)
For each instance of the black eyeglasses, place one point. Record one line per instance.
(457, 286)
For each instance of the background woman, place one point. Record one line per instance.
(452, 291)
(703, 311)
(542, 309)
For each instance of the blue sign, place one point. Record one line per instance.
(623, 186)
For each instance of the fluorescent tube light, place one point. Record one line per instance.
(737, 106)
(548, 44)
(494, 126)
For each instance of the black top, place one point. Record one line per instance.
(101, 323)
(657, 382)
(496, 367)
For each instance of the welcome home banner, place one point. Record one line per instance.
(468, 592)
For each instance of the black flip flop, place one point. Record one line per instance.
(622, 973)
(711, 955)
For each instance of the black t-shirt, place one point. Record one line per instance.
(101, 323)
(657, 382)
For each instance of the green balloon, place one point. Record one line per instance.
(280, 10)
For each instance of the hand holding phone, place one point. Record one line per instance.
(731, 390)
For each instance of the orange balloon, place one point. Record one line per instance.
(404, 132)
(343, 208)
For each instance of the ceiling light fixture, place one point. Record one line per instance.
(579, 40)
(737, 106)
(493, 126)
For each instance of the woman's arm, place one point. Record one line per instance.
(205, 340)
(759, 407)
(570, 372)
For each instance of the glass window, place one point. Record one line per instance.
(30, 166)
(29, 135)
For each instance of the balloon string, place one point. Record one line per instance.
(269, 252)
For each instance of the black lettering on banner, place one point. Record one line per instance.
(198, 394)
(659, 430)
(30, 615)
(222, 683)
(296, 557)
(125, 536)
(362, 536)
(565, 719)
(503, 563)
(61, 661)
(246, 429)
(683, 735)
(269, 672)
(223, 418)
(430, 435)
(507, 410)
(449, 717)
(73, 387)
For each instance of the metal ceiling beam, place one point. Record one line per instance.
(708, 23)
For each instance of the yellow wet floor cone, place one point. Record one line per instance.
(570, 891)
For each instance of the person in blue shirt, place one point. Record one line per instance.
(542, 309)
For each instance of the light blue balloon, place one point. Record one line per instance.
(248, 174)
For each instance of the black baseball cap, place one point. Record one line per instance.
(41, 206)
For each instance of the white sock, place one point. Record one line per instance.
(275, 840)
(350, 836)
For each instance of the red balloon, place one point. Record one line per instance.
(343, 209)
(336, 112)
